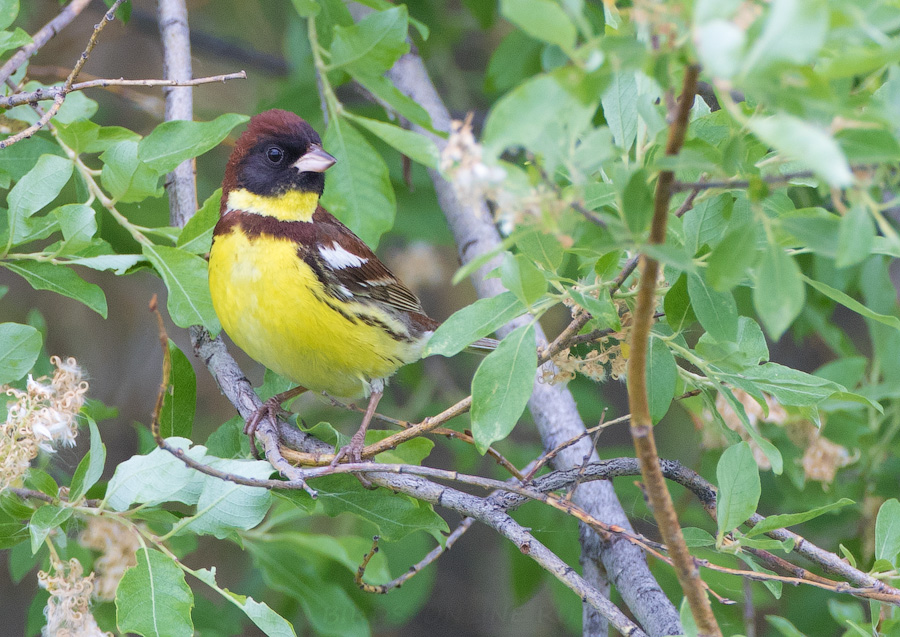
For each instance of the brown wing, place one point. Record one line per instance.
(351, 264)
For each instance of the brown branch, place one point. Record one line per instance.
(641, 423)
(43, 35)
(108, 17)
(53, 92)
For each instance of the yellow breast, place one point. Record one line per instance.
(275, 309)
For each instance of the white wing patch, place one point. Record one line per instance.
(339, 258)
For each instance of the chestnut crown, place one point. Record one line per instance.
(267, 157)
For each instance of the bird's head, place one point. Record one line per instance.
(277, 154)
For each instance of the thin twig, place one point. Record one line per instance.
(739, 184)
(641, 423)
(42, 36)
(108, 17)
(416, 568)
(52, 92)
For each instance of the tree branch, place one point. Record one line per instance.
(552, 407)
(108, 17)
(43, 35)
(176, 41)
(52, 92)
(641, 423)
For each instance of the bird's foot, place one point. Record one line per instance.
(269, 409)
(353, 453)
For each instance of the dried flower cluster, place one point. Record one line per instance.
(42, 416)
(822, 457)
(68, 610)
(461, 162)
(610, 357)
(117, 545)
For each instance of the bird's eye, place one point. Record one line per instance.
(274, 154)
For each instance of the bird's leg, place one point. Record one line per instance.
(353, 451)
(271, 407)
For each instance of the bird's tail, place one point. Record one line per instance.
(483, 346)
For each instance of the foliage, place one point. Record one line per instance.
(787, 200)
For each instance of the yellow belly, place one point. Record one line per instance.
(265, 297)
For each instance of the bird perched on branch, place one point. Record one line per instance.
(295, 288)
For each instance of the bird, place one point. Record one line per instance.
(295, 288)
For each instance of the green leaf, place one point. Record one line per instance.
(175, 141)
(9, 9)
(790, 386)
(538, 101)
(541, 19)
(224, 506)
(180, 401)
(385, 90)
(739, 487)
(619, 108)
(60, 279)
(784, 626)
(409, 452)
(373, 44)
(326, 606)
(359, 190)
(20, 346)
(119, 263)
(707, 222)
(677, 305)
(695, 538)
(855, 238)
(601, 307)
(78, 223)
(153, 599)
(502, 386)
(79, 135)
(266, 619)
(125, 176)
(13, 39)
(637, 203)
(749, 349)
(44, 520)
(196, 237)
(11, 534)
(807, 144)
(91, 466)
(521, 276)
(794, 32)
(730, 259)
(475, 321)
(779, 294)
(852, 304)
(773, 522)
(516, 58)
(395, 516)
(36, 189)
(306, 8)
(187, 278)
(887, 531)
(415, 146)
(716, 311)
(542, 248)
(662, 376)
(156, 478)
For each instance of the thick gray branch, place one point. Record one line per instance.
(552, 407)
(175, 35)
